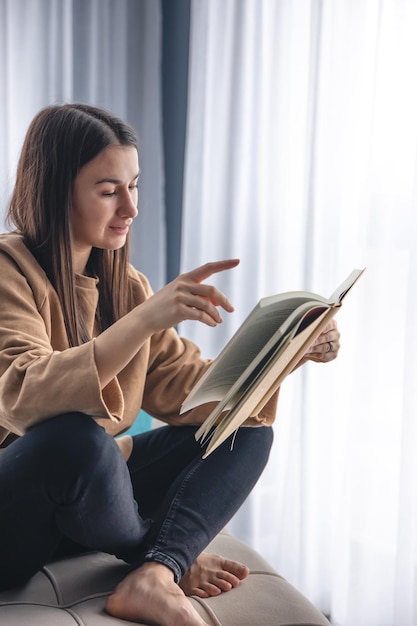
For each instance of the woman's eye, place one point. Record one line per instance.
(109, 194)
(133, 186)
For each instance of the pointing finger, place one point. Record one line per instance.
(208, 269)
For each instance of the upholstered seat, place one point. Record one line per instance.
(72, 592)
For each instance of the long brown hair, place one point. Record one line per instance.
(60, 141)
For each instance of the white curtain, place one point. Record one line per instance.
(100, 52)
(301, 160)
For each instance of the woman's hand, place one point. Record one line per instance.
(188, 298)
(185, 298)
(326, 346)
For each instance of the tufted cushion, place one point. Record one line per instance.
(72, 592)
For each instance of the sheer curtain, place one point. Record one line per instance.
(101, 52)
(301, 160)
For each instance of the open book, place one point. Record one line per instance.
(263, 351)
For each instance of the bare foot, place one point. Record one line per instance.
(149, 595)
(211, 574)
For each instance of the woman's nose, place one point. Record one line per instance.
(128, 205)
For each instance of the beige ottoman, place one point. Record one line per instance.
(72, 592)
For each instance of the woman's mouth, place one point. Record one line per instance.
(120, 230)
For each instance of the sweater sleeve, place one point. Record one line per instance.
(40, 376)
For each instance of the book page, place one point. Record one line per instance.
(264, 384)
(262, 331)
(342, 290)
(273, 318)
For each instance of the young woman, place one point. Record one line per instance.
(84, 344)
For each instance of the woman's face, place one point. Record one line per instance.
(104, 202)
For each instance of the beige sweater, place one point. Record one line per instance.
(41, 376)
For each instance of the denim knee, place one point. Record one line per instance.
(258, 440)
(69, 442)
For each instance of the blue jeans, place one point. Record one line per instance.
(64, 486)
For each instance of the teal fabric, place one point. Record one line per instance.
(142, 423)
